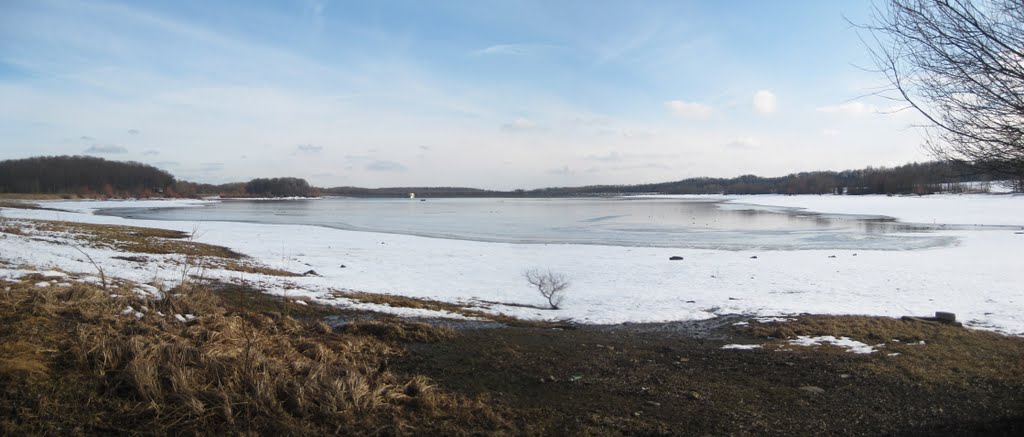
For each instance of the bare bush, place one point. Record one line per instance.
(551, 285)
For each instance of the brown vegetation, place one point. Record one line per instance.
(948, 354)
(74, 363)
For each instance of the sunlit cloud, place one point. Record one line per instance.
(764, 102)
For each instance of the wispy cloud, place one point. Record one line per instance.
(385, 166)
(689, 110)
(133, 132)
(520, 124)
(102, 149)
(150, 153)
(309, 148)
(859, 108)
(512, 49)
(743, 143)
(561, 171)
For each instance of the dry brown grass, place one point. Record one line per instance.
(135, 239)
(73, 363)
(400, 330)
(949, 355)
(435, 305)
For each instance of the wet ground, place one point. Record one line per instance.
(674, 379)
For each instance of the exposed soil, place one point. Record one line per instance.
(675, 379)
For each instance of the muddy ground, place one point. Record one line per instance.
(675, 379)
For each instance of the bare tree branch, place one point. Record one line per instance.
(960, 64)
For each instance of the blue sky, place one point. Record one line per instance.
(512, 94)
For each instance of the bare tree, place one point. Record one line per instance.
(550, 284)
(960, 63)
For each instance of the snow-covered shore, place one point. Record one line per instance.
(980, 278)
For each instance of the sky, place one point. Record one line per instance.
(488, 94)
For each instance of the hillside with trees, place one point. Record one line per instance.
(915, 178)
(280, 187)
(82, 175)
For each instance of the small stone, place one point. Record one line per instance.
(812, 389)
(342, 266)
(310, 273)
(675, 258)
(845, 376)
(693, 395)
(653, 404)
(636, 414)
(831, 256)
(944, 316)
(552, 378)
(753, 257)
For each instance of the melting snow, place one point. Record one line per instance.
(742, 346)
(844, 342)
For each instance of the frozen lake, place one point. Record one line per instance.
(966, 260)
(636, 222)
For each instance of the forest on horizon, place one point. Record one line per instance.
(86, 176)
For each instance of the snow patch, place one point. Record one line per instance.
(742, 346)
(843, 342)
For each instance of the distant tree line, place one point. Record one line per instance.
(82, 175)
(280, 187)
(404, 192)
(96, 177)
(916, 178)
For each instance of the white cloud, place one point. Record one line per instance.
(743, 142)
(520, 124)
(829, 132)
(691, 110)
(765, 102)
